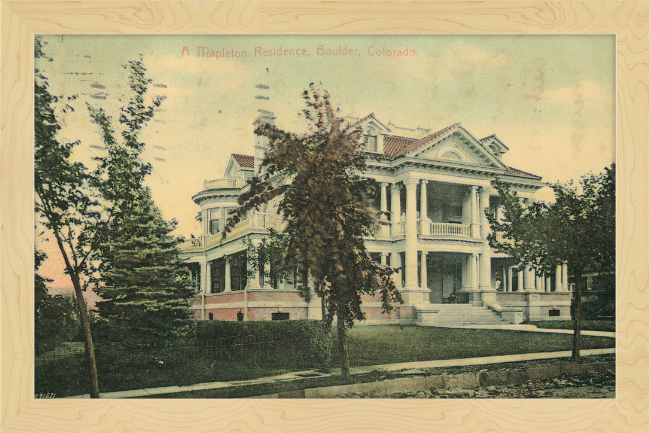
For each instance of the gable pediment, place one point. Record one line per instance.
(457, 146)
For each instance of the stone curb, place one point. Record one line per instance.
(398, 387)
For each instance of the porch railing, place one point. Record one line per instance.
(445, 229)
(223, 183)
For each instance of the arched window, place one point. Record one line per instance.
(494, 150)
(450, 154)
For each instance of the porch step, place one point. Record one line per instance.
(458, 315)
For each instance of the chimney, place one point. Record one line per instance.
(263, 116)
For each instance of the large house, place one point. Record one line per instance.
(435, 186)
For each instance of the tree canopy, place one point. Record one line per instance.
(326, 205)
(578, 229)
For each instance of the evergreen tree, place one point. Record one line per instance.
(327, 209)
(142, 283)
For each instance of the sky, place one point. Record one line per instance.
(550, 99)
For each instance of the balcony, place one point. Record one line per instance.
(428, 228)
(230, 183)
(256, 221)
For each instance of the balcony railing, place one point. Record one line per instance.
(236, 182)
(255, 221)
(444, 229)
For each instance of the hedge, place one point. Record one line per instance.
(307, 342)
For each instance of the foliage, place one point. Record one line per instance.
(142, 282)
(309, 339)
(577, 229)
(65, 202)
(327, 209)
(55, 316)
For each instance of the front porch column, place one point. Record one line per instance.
(471, 271)
(485, 282)
(423, 270)
(474, 220)
(510, 279)
(206, 221)
(208, 278)
(529, 279)
(383, 259)
(565, 277)
(520, 281)
(384, 230)
(539, 285)
(558, 279)
(411, 235)
(425, 222)
(205, 277)
(227, 282)
(548, 283)
(395, 209)
(504, 281)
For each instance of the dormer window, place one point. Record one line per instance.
(494, 150)
(372, 143)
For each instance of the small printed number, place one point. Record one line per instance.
(46, 395)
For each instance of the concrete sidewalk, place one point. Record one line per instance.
(148, 392)
(533, 328)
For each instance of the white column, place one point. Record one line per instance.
(529, 279)
(384, 229)
(395, 208)
(485, 281)
(538, 283)
(205, 221)
(267, 277)
(471, 271)
(204, 279)
(520, 281)
(222, 226)
(565, 277)
(208, 278)
(504, 281)
(227, 282)
(423, 270)
(425, 226)
(548, 283)
(383, 259)
(510, 279)
(411, 235)
(474, 220)
(558, 278)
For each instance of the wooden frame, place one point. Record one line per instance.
(21, 412)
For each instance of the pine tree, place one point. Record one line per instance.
(143, 284)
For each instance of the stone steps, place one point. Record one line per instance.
(458, 315)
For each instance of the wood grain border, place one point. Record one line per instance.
(20, 412)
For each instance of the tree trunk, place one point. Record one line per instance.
(85, 322)
(577, 316)
(343, 348)
(323, 308)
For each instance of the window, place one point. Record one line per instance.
(218, 275)
(214, 221)
(238, 275)
(371, 140)
(211, 316)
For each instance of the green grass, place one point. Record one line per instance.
(587, 325)
(65, 374)
(375, 345)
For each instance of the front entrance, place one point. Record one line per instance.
(444, 277)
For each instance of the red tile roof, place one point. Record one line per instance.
(515, 172)
(407, 145)
(244, 160)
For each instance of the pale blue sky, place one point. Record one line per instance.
(550, 99)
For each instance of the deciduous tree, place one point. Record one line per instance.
(326, 207)
(578, 229)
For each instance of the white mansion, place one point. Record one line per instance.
(435, 186)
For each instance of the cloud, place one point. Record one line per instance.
(585, 93)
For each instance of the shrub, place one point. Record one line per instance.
(306, 342)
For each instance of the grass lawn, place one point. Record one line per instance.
(587, 325)
(373, 345)
(65, 375)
